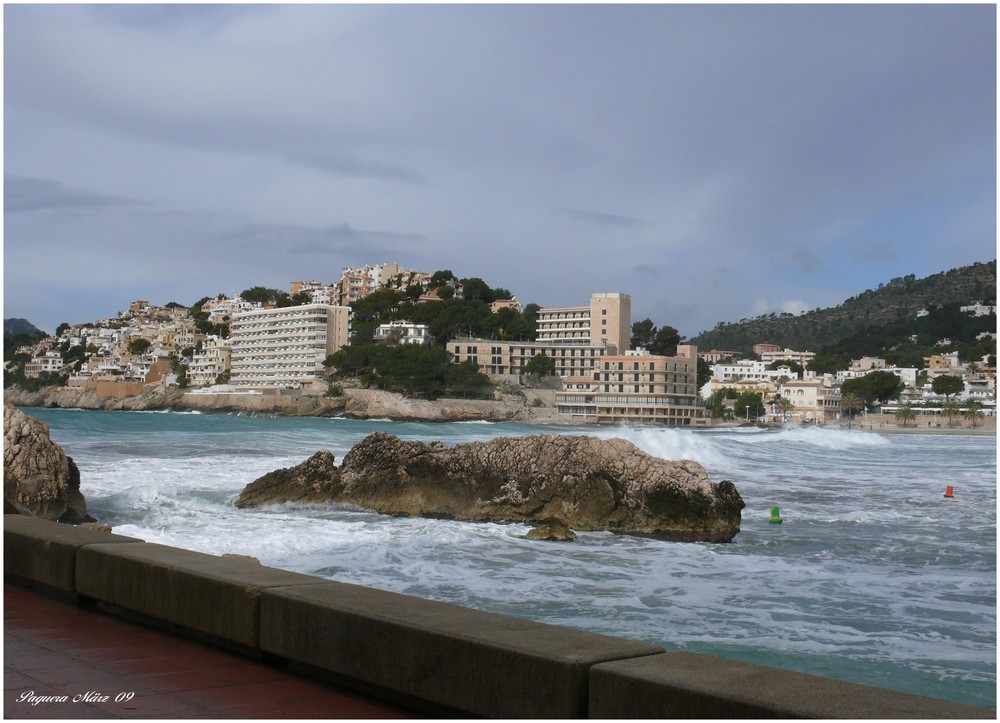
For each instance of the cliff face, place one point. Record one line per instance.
(580, 482)
(39, 478)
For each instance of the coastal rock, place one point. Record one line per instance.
(315, 480)
(576, 481)
(552, 532)
(39, 479)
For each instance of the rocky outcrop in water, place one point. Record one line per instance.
(38, 478)
(580, 482)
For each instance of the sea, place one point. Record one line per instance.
(873, 576)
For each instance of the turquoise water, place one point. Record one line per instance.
(873, 577)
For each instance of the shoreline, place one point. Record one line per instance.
(530, 408)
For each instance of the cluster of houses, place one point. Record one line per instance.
(601, 378)
(817, 397)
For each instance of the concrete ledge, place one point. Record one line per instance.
(216, 596)
(466, 660)
(441, 656)
(691, 685)
(44, 552)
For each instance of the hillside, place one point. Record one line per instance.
(13, 327)
(873, 320)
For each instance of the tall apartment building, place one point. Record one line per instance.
(285, 348)
(575, 337)
(645, 389)
(607, 320)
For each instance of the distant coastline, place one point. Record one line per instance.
(534, 407)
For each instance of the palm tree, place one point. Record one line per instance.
(905, 414)
(950, 410)
(851, 403)
(973, 412)
(784, 405)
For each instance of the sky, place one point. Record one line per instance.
(714, 162)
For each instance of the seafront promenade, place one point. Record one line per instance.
(64, 661)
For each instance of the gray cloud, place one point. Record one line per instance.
(554, 150)
(601, 219)
(35, 194)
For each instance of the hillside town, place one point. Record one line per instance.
(238, 345)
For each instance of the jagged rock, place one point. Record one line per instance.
(241, 558)
(581, 482)
(311, 481)
(551, 531)
(39, 479)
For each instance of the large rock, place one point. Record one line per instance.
(581, 482)
(38, 478)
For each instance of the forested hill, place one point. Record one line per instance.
(890, 304)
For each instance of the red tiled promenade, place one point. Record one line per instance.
(52, 648)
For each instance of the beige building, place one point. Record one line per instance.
(641, 389)
(606, 321)
(812, 400)
(508, 358)
(207, 364)
(285, 348)
(574, 337)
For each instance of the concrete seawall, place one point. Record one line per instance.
(436, 657)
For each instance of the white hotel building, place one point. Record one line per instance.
(285, 348)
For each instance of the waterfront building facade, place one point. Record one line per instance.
(639, 389)
(812, 399)
(285, 348)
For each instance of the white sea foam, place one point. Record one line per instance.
(873, 575)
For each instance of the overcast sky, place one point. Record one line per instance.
(714, 162)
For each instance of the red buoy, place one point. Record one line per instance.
(949, 492)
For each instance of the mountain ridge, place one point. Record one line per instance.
(892, 303)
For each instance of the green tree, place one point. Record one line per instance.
(139, 346)
(973, 412)
(643, 334)
(748, 406)
(440, 278)
(716, 404)
(61, 328)
(947, 384)
(950, 410)
(475, 289)
(665, 342)
(784, 406)
(851, 404)
(540, 365)
(905, 414)
(704, 373)
(878, 386)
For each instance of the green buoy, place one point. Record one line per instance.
(775, 516)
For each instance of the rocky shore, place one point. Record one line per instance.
(38, 478)
(577, 482)
(531, 406)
